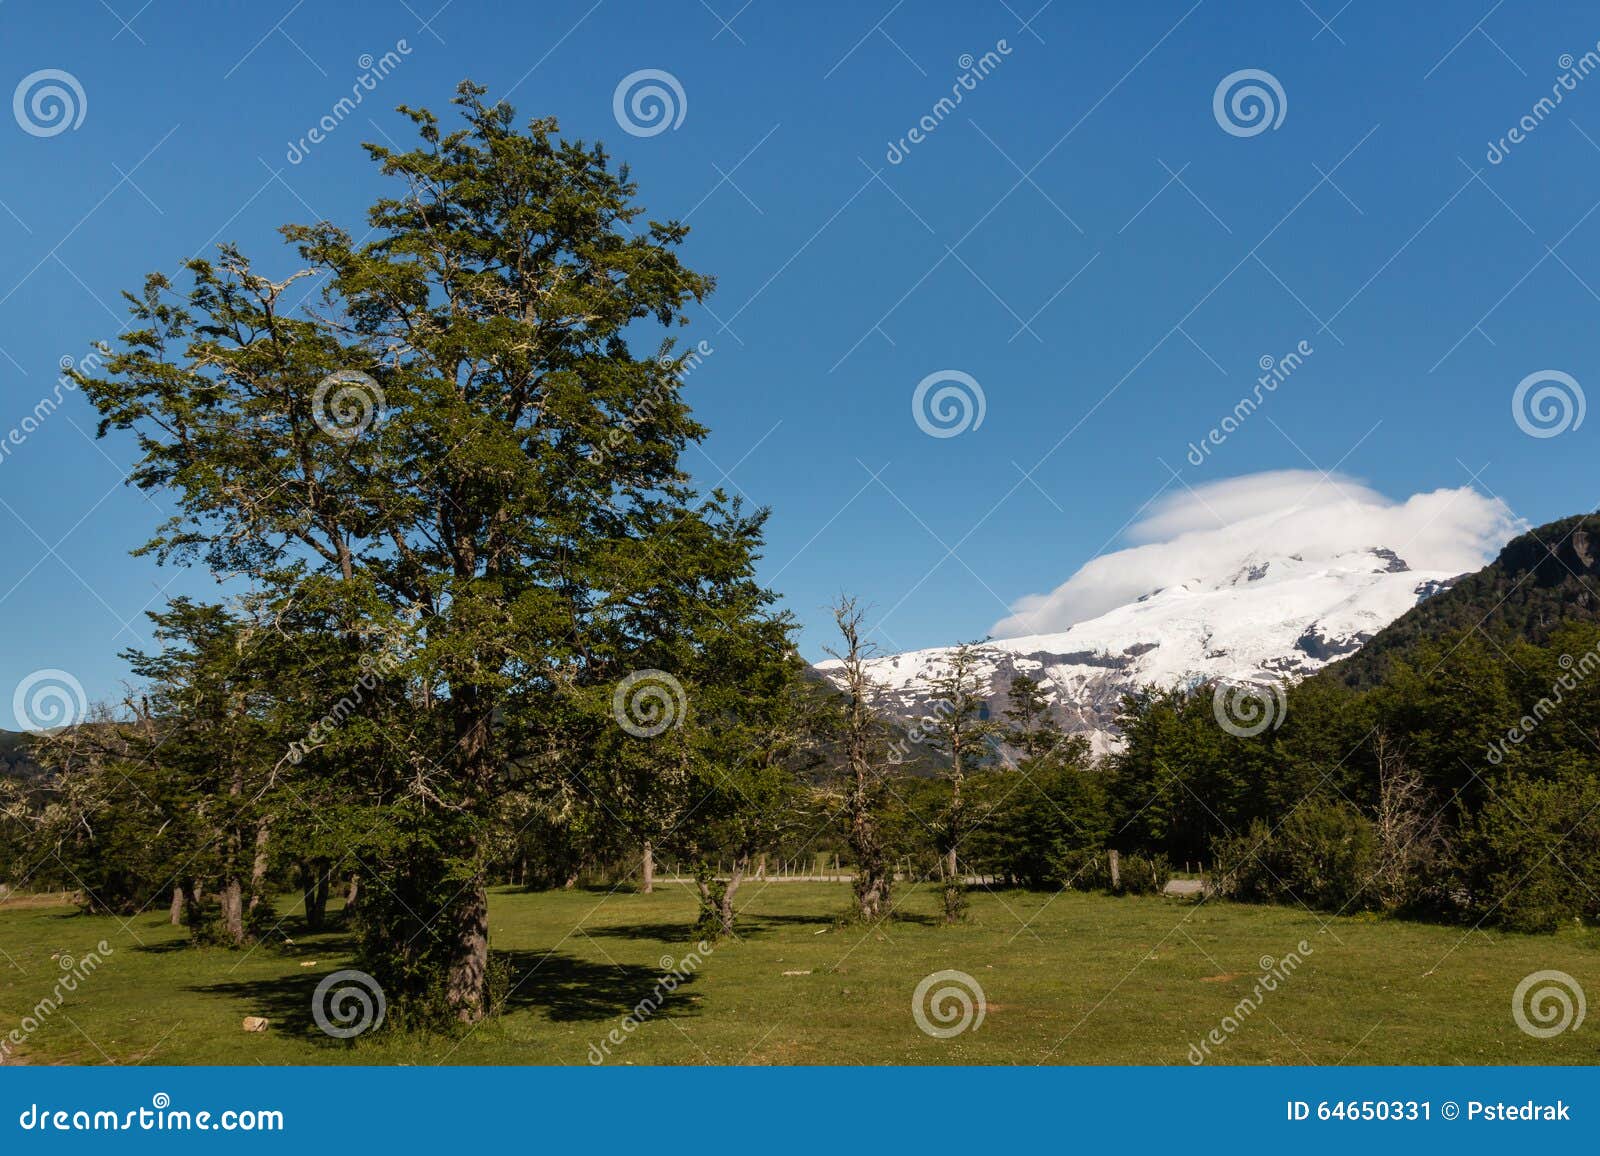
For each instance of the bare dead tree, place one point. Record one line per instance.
(1406, 824)
(863, 741)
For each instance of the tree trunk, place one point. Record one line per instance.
(352, 893)
(314, 886)
(232, 897)
(258, 867)
(648, 882)
(725, 906)
(466, 922)
(176, 915)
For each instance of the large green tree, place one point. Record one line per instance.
(460, 438)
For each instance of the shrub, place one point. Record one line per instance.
(1143, 875)
(1528, 852)
(1081, 870)
(1323, 855)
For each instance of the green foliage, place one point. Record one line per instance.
(1322, 855)
(1531, 857)
(459, 449)
(1142, 875)
(1038, 816)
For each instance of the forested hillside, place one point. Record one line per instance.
(1541, 579)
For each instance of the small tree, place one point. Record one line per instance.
(960, 730)
(863, 748)
(1030, 728)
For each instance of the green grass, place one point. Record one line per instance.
(1091, 980)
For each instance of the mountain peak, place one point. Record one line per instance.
(1289, 613)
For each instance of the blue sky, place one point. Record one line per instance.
(1081, 237)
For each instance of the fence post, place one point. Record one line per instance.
(1116, 869)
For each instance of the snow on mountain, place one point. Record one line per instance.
(1289, 615)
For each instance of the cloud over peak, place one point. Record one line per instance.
(1207, 532)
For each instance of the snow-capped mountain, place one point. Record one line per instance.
(1288, 615)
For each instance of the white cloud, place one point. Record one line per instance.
(1210, 531)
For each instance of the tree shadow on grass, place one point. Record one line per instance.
(747, 925)
(323, 944)
(284, 1000)
(566, 988)
(666, 933)
(570, 989)
(818, 919)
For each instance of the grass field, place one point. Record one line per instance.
(1074, 979)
